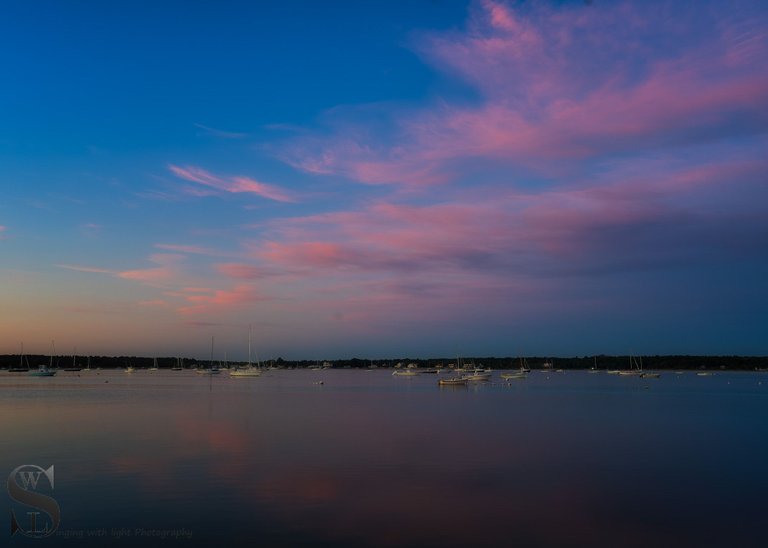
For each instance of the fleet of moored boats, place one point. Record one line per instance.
(448, 376)
(460, 373)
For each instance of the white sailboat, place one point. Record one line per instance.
(514, 376)
(634, 368)
(520, 374)
(248, 371)
(648, 374)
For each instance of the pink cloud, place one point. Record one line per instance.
(558, 87)
(236, 184)
(315, 254)
(525, 233)
(243, 271)
(80, 268)
(154, 303)
(501, 17)
(166, 271)
(191, 249)
(215, 298)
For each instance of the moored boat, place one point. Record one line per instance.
(43, 371)
(452, 381)
(478, 375)
(249, 370)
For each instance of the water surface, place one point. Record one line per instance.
(367, 459)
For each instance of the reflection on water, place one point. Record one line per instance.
(369, 459)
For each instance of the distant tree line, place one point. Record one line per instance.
(534, 362)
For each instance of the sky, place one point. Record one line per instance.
(422, 178)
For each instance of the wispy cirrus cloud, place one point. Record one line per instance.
(223, 134)
(81, 268)
(167, 269)
(91, 229)
(190, 249)
(236, 184)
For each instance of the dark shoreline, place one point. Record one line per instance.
(666, 362)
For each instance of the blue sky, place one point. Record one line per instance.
(376, 179)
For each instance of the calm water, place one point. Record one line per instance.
(367, 459)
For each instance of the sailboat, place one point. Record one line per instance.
(154, 365)
(594, 368)
(514, 376)
(212, 370)
(179, 365)
(648, 374)
(44, 371)
(74, 363)
(634, 368)
(248, 371)
(22, 368)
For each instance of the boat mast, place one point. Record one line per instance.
(250, 328)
